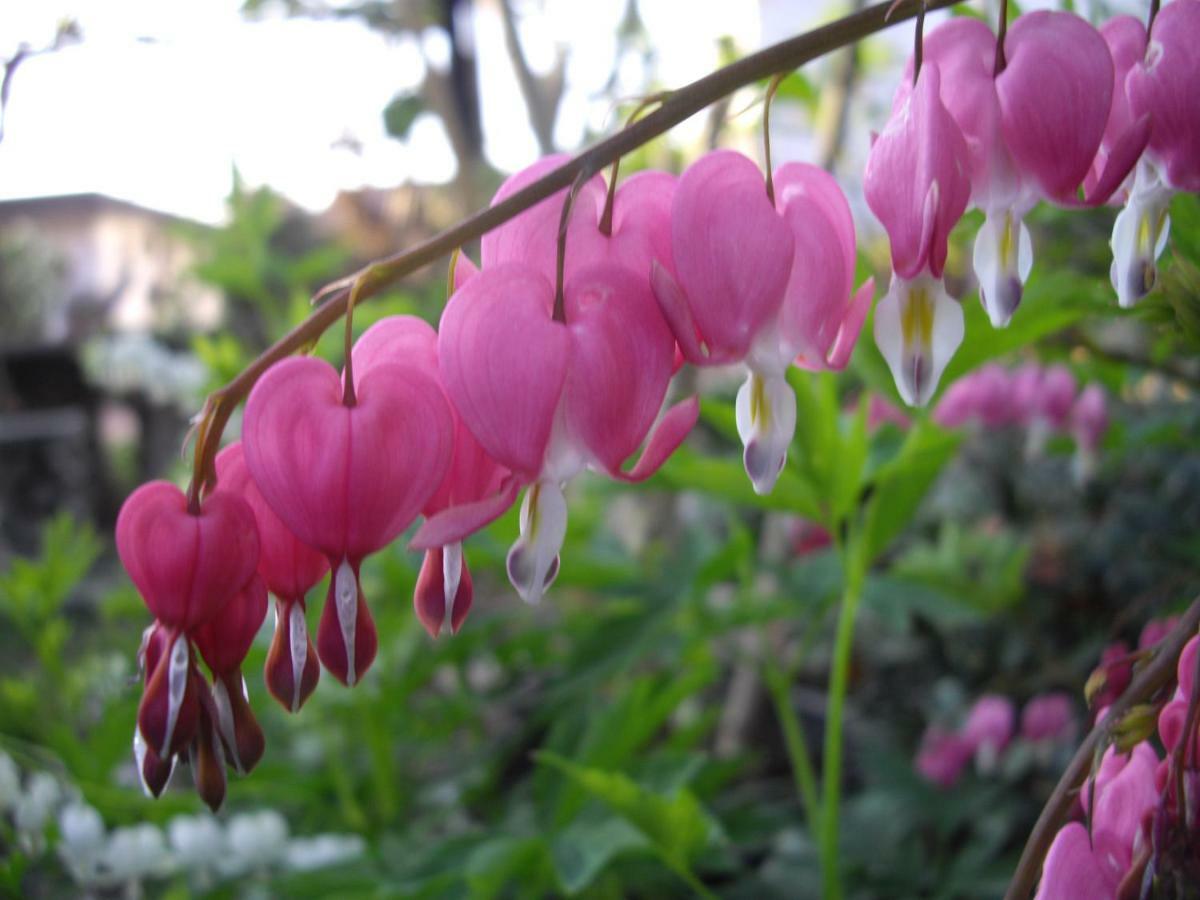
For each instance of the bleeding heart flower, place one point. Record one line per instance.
(176, 716)
(346, 479)
(547, 399)
(1089, 424)
(1081, 865)
(767, 283)
(444, 590)
(289, 569)
(1033, 132)
(1156, 80)
(186, 564)
(223, 643)
(640, 231)
(917, 183)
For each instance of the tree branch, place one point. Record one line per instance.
(1157, 673)
(678, 106)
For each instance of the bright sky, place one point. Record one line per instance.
(163, 97)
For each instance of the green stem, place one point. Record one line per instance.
(839, 678)
(778, 685)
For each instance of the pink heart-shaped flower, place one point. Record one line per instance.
(346, 479)
(503, 360)
(186, 566)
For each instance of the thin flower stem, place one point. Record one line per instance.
(771, 89)
(919, 42)
(1153, 15)
(606, 217)
(560, 261)
(680, 105)
(1001, 32)
(839, 680)
(777, 682)
(1151, 679)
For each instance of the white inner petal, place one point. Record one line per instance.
(766, 420)
(177, 678)
(220, 695)
(298, 641)
(451, 575)
(532, 561)
(345, 595)
(918, 327)
(1003, 258)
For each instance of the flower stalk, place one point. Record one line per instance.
(680, 105)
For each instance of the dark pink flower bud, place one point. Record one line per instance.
(444, 577)
(170, 705)
(223, 643)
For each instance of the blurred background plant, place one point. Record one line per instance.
(659, 727)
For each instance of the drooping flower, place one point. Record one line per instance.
(989, 727)
(767, 283)
(547, 398)
(187, 565)
(289, 569)
(444, 591)
(347, 479)
(1156, 79)
(1032, 132)
(223, 642)
(917, 184)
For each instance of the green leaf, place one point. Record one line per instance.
(587, 845)
(901, 484)
(676, 825)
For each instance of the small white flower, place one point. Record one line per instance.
(197, 841)
(37, 804)
(136, 852)
(254, 841)
(322, 850)
(81, 845)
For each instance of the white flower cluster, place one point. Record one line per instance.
(202, 848)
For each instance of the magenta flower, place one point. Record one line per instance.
(1159, 84)
(989, 727)
(917, 184)
(444, 591)
(1080, 866)
(347, 479)
(548, 399)
(766, 283)
(187, 566)
(943, 756)
(289, 569)
(1048, 717)
(1033, 132)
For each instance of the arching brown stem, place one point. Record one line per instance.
(1157, 673)
(681, 104)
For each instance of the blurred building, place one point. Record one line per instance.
(92, 290)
